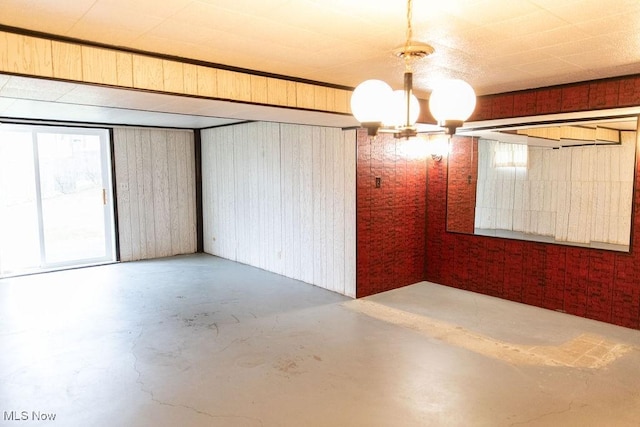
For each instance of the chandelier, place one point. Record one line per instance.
(378, 108)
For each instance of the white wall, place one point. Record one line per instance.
(282, 198)
(155, 188)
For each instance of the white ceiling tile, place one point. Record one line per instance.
(627, 46)
(548, 67)
(37, 14)
(451, 31)
(596, 57)
(552, 40)
(5, 105)
(47, 90)
(155, 8)
(582, 46)
(532, 23)
(125, 25)
(181, 31)
(355, 21)
(247, 6)
(211, 15)
(576, 11)
(99, 95)
(3, 80)
(608, 24)
(485, 12)
(510, 79)
(518, 58)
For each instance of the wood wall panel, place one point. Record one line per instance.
(268, 179)
(338, 220)
(147, 207)
(289, 190)
(305, 96)
(190, 73)
(277, 92)
(44, 57)
(4, 51)
(320, 94)
(233, 85)
(239, 164)
(173, 76)
(173, 192)
(259, 93)
(155, 192)
(350, 220)
(188, 197)
(67, 60)
(207, 81)
(292, 94)
(282, 198)
(124, 193)
(26, 55)
(160, 179)
(244, 178)
(319, 206)
(148, 73)
(124, 69)
(341, 101)
(99, 66)
(217, 163)
(327, 213)
(304, 202)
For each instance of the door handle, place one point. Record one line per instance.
(104, 196)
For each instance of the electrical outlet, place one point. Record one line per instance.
(378, 182)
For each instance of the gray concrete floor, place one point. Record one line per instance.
(201, 341)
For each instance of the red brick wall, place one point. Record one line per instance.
(390, 219)
(591, 283)
(584, 96)
(463, 179)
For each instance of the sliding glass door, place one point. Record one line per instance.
(55, 198)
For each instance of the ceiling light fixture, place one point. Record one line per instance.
(378, 108)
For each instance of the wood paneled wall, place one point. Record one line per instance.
(42, 57)
(155, 189)
(282, 198)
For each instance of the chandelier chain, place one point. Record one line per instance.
(407, 57)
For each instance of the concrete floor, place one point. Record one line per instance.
(201, 341)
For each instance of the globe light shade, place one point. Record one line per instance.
(452, 100)
(370, 101)
(397, 115)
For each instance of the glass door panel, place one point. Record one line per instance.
(72, 194)
(63, 177)
(19, 236)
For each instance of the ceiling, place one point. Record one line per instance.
(496, 45)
